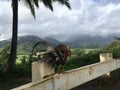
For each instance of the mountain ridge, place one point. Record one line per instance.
(25, 43)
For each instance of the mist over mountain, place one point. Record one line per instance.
(87, 41)
(90, 39)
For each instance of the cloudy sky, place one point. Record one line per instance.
(87, 17)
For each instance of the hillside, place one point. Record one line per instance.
(26, 43)
(86, 41)
(52, 41)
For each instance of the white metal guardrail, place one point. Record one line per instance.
(72, 78)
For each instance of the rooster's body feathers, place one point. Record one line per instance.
(53, 55)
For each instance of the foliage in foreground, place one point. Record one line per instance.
(113, 48)
(4, 54)
(81, 58)
(21, 69)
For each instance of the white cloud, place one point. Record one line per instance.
(91, 17)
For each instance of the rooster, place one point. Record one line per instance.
(55, 56)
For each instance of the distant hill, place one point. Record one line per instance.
(85, 41)
(52, 41)
(25, 43)
(4, 43)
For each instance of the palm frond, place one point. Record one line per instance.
(67, 4)
(64, 2)
(36, 3)
(48, 4)
(31, 4)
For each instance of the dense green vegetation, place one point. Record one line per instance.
(4, 54)
(81, 58)
(114, 48)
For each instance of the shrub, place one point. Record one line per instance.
(81, 58)
(113, 48)
(4, 55)
(23, 68)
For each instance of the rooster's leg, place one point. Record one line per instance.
(60, 70)
(63, 69)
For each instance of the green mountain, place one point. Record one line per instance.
(26, 43)
(52, 41)
(86, 41)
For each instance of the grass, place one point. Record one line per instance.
(88, 50)
(20, 58)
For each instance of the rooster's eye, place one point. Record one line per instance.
(63, 52)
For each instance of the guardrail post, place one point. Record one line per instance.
(106, 57)
(40, 70)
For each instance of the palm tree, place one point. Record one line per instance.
(31, 4)
(12, 56)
